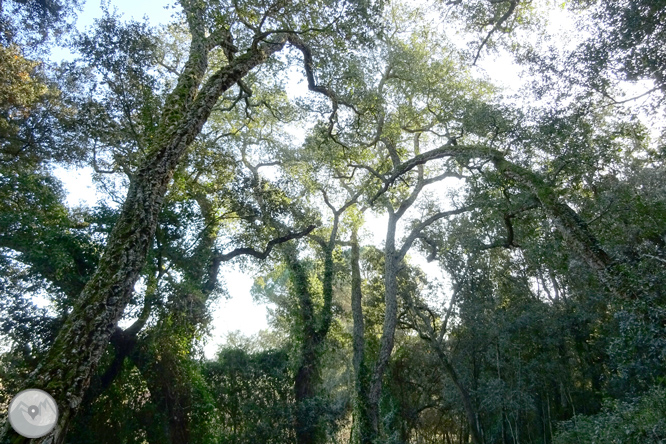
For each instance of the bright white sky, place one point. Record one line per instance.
(239, 313)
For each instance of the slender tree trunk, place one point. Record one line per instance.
(363, 432)
(356, 305)
(392, 259)
(470, 411)
(389, 326)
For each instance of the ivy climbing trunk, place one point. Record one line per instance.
(362, 428)
(308, 418)
(314, 331)
(391, 263)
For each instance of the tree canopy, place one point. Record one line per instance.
(445, 260)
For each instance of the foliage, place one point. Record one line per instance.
(626, 42)
(32, 22)
(252, 396)
(641, 420)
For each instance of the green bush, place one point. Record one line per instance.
(641, 421)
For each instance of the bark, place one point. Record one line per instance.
(389, 325)
(307, 376)
(362, 427)
(71, 362)
(123, 342)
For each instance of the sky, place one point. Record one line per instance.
(239, 312)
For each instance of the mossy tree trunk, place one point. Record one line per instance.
(362, 428)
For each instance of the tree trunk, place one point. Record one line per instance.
(391, 264)
(363, 432)
(470, 411)
(308, 418)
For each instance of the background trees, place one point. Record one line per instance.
(541, 316)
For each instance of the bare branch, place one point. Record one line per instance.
(370, 169)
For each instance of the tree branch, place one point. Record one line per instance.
(269, 246)
(416, 231)
(505, 17)
(451, 148)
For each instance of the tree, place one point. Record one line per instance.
(627, 43)
(395, 136)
